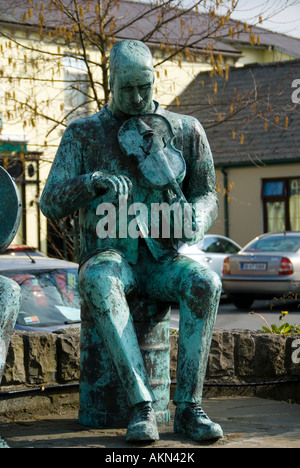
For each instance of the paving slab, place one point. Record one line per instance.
(246, 422)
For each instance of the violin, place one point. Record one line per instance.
(149, 138)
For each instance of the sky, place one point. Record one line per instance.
(286, 21)
(278, 15)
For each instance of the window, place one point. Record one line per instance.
(24, 167)
(281, 205)
(76, 89)
(276, 243)
(294, 204)
(219, 245)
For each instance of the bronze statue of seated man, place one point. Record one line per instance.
(158, 159)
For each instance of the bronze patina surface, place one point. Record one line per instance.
(115, 176)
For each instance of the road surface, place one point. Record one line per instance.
(229, 317)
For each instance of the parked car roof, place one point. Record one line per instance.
(275, 242)
(35, 263)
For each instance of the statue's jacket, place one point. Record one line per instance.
(91, 144)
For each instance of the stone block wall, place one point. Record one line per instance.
(41, 359)
(242, 356)
(42, 369)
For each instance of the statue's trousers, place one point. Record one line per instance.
(105, 281)
(10, 298)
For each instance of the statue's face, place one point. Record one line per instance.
(132, 91)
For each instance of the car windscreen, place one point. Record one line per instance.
(289, 244)
(49, 297)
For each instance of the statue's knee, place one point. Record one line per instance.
(204, 288)
(214, 283)
(95, 282)
(101, 290)
(105, 277)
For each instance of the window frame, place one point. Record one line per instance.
(74, 68)
(277, 198)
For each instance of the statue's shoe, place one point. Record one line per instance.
(192, 422)
(143, 426)
(3, 444)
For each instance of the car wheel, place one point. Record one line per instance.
(241, 301)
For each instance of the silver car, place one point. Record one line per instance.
(211, 251)
(267, 267)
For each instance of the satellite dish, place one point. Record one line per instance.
(10, 209)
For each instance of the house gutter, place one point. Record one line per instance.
(256, 164)
(226, 202)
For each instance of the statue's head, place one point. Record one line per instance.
(131, 78)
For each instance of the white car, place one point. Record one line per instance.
(211, 252)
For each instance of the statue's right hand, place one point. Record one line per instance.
(118, 186)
